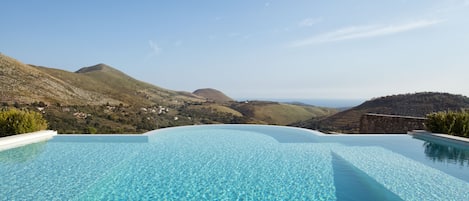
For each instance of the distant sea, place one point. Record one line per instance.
(331, 103)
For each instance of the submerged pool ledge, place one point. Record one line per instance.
(14, 141)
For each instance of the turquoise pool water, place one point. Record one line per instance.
(235, 162)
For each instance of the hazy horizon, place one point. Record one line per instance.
(330, 103)
(266, 49)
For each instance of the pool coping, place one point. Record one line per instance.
(439, 136)
(19, 140)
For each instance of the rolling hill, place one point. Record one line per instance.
(417, 105)
(213, 95)
(105, 99)
(102, 99)
(95, 85)
(256, 112)
(266, 112)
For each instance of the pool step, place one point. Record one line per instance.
(353, 184)
(408, 179)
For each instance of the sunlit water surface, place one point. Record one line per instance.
(236, 162)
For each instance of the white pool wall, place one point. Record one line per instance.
(19, 140)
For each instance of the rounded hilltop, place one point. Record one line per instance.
(97, 67)
(212, 95)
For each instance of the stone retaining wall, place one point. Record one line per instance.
(380, 123)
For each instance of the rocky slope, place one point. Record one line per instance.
(417, 105)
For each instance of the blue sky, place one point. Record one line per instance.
(253, 49)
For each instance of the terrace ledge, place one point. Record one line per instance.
(19, 140)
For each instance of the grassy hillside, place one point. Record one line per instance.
(101, 99)
(279, 113)
(95, 85)
(107, 118)
(216, 108)
(117, 85)
(24, 83)
(418, 105)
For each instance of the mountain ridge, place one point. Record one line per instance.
(97, 84)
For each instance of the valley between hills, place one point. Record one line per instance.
(102, 99)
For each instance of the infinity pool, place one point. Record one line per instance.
(235, 162)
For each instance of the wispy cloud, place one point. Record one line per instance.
(155, 49)
(358, 32)
(266, 4)
(309, 22)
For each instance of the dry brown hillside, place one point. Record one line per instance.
(102, 99)
(95, 85)
(418, 105)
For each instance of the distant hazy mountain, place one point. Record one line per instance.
(418, 105)
(330, 103)
(212, 95)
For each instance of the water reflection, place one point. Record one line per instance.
(447, 153)
(22, 154)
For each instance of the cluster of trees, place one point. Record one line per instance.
(14, 121)
(452, 123)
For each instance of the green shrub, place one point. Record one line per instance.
(91, 130)
(452, 123)
(14, 121)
